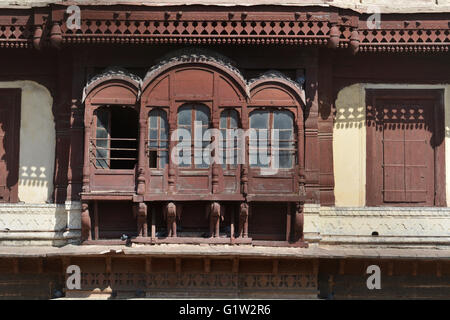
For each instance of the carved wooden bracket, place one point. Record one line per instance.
(243, 220)
(298, 223)
(215, 214)
(172, 212)
(85, 222)
(142, 219)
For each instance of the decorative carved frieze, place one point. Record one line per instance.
(325, 26)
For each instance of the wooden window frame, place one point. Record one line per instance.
(109, 139)
(374, 173)
(271, 119)
(159, 112)
(193, 105)
(227, 114)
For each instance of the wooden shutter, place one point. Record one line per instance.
(408, 155)
(9, 144)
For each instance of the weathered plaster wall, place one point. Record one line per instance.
(37, 142)
(349, 147)
(349, 141)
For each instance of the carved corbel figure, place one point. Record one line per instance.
(243, 220)
(298, 222)
(172, 212)
(215, 215)
(85, 222)
(141, 217)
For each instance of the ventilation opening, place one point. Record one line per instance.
(375, 234)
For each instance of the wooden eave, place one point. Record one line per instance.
(260, 25)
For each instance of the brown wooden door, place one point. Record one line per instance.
(408, 155)
(402, 154)
(9, 144)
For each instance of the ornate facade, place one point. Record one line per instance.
(92, 120)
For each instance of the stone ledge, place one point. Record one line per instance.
(176, 250)
(385, 211)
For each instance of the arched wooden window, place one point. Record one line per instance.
(272, 139)
(158, 143)
(188, 116)
(229, 120)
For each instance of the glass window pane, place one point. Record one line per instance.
(223, 119)
(103, 119)
(202, 114)
(102, 145)
(285, 159)
(282, 120)
(184, 115)
(259, 119)
(163, 160)
(153, 134)
(154, 119)
(234, 119)
(285, 135)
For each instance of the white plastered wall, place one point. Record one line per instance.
(349, 141)
(37, 142)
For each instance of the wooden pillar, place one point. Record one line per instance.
(153, 231)
(96, 230)
(141, 157)
(325, 127)
(232, 223)
(61, 112)
(311, 129)
(288, 221)
(207, 265)
(148, 265)
(87, 147)
(76, 160)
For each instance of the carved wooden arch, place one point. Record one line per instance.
(161, 83)
(114, 86)
(275, 89)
